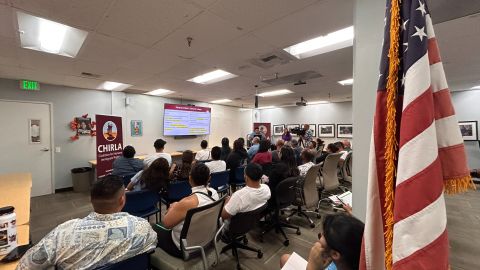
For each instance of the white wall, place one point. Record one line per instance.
(329, 113)
(467, 108)
(71, 102)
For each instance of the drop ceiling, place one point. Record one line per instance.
(144, 43)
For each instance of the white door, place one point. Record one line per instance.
(25, 144)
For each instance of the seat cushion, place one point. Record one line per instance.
(162, 260)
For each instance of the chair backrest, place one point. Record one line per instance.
(239, 175)
(347, 168)
(329, 171)
(201, 225)
(141, 262)
(242, 223)
(310, 192)
(140, 201)
(285, 192)
(127, 178)
(219, 179)
(178, 190)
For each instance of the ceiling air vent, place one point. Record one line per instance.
(272, 59)
(297, 78)
(90, 75)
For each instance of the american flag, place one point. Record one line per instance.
(417, 151)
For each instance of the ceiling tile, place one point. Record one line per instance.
(96, 68)
(87, 83)
(315, 20)
(41, 61)
(7, 22)
(204, 3)
(251, 14)
(8, 52)
(85, 14)
(101, 48)
(145, 22)
(154, 61)
(187, 70)
(207, 32)
(129, 76)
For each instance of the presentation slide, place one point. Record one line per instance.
(181, 120)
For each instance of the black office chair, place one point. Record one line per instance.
(267, 169)
(239, 226)
(140, 262)
(284, 197)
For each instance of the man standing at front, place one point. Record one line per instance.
(103, 237)
(308, 137)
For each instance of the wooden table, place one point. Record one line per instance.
(15, 191)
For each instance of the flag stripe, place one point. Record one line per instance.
(433, 256)
(439, 81)
(421, 190)
(433, 51)
(418, 230)
(443, 104)
(429, 25)
(417, 154)
(419, 115)
(417, 80)
(455, 161)
(448, 136)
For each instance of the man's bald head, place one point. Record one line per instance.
(108, 195)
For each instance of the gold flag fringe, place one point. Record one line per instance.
(459, 184)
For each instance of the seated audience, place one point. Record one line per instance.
(256, 133)
(249, 198)
(159, 147)
(312, 145)
(320, 144)
(76, 244)
(182, 171)
(263, 156)
(331, 148)
(127, 164)
(172, 224)
(298, 150)
(236, 158)
(254, 148)
(203, 154)
(338, 247)
(154, 178)
(225, 149)
(286, 136)
(275, 153)
(287, 167)
(307, 156)
(341, 149)
(347, 146)
(216, 165)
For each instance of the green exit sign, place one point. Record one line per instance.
(29, 85)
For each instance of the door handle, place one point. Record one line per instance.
(44, 149)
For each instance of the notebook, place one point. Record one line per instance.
(295, 262)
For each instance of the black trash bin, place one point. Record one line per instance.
(81, 179)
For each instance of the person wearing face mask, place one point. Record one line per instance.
(338, 247)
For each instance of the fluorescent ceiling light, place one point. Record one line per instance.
(265, 107)
(275, 93)
(477, 87)
(213, 77)
(114, 86)
(48, 36)
(317, 102)
(225, 100)
(333, 41)
(346, 82)
(159, 92)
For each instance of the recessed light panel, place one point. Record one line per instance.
(225, 100)
(346, 82)
(114, 86)
(213, 77)
(48, 36)
(275, 93)
(159, 92)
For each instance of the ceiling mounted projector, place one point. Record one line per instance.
(302, 102)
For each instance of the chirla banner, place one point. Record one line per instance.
(109, 142)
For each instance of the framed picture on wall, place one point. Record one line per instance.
(469, 130)
(278, 130)
(84, 126)
(292, 126)
(344, 131)
(326, 130)
(313, 128)
(136, 128)
(34, 131)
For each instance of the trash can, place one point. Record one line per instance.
(81, 179)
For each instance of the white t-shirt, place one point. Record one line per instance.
(344, 155)
(216, 166)
(247, 199)
(203, 154)
(151, 158)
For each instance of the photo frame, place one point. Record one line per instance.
(292, 126)
(344, 131)
(34, 131)
(313, 128)
(136, 128)
(278, 129)
(84, 125)
(469, 130)
(326, 130)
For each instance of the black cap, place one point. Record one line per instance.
(6, 210)
(159, 143)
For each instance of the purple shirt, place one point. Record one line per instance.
(287, 137)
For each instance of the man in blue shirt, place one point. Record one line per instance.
(127, 164)
(254, 148)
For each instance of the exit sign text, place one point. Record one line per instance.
(29, 85)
